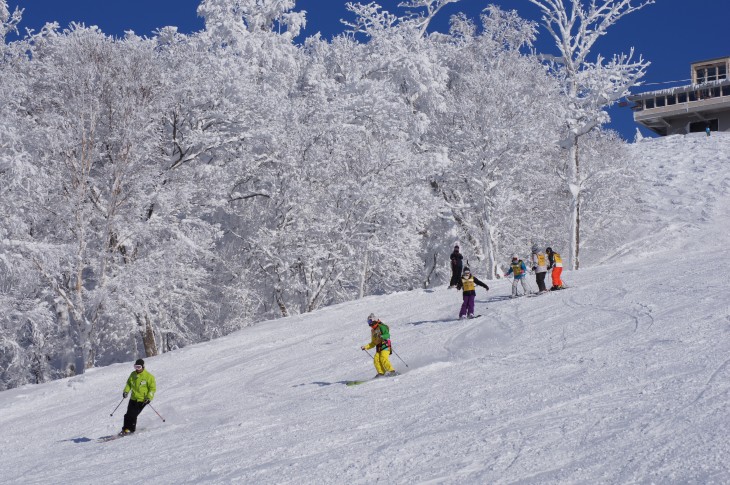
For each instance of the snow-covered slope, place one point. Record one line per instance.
(623, 378)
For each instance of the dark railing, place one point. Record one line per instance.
(680, 95)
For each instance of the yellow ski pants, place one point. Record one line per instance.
(382, 361)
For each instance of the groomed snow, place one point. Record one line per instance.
(623, 378)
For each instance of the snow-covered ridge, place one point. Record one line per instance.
(623, 378)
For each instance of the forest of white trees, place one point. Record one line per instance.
(166, 190)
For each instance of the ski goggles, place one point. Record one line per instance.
(138, 367)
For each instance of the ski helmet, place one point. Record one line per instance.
(548, 250)
(139, 362)
(535, 248)
(466, 270)
(514, 256)
(371, 319)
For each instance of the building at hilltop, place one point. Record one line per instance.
(692, 108)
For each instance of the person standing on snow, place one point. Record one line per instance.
(142, 386)
(519, 270)
(555, 262)
(468, 283)
(456, 264)
(380, 339)
(539, 266)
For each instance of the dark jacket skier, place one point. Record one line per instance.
(456, 265)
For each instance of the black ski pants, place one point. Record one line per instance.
(540, 279)
(133, 410)
(455, 274)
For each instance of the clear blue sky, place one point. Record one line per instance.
(670, 34)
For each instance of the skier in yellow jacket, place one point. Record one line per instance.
(380, 339)
(539, 266)
(469, 284)
(555, 263)
(142, 386)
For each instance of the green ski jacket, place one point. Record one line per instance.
(142, 386)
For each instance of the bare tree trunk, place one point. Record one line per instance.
(148, 338)
(427, 281)
(280, 302)
(489, 242)
(575, 199)
(473, 242)
(364, 275)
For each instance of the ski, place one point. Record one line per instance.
(546, 292)
(113, 437)
(465, 318)
(357, 383)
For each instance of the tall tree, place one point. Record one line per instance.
(591, 86)
(495, 131)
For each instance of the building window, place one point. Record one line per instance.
(711, 73)
(649, 103)
(692, 95)
(701, 126)
(671, 99)
(726, 90)
(715, 92)
(660, 102)
(701, 75)
(682, 98)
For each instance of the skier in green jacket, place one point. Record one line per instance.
(142, 385)
(380, 339)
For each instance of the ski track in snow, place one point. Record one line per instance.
(622, 378)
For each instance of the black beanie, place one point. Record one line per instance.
(139, 362)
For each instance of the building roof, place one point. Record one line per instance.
(708, 61)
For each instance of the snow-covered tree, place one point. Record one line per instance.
(495, 131)
(119, 231)
(590, 85)
(610, 197)
(228, 20)
(156, 192)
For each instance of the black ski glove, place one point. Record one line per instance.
(146, 402)
(124, 395)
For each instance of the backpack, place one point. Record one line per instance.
(387, 341)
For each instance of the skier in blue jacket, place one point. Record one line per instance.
(519, 270)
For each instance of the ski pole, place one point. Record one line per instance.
(150, 405)
(364, 350)
(399, 357)
(115, 409)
